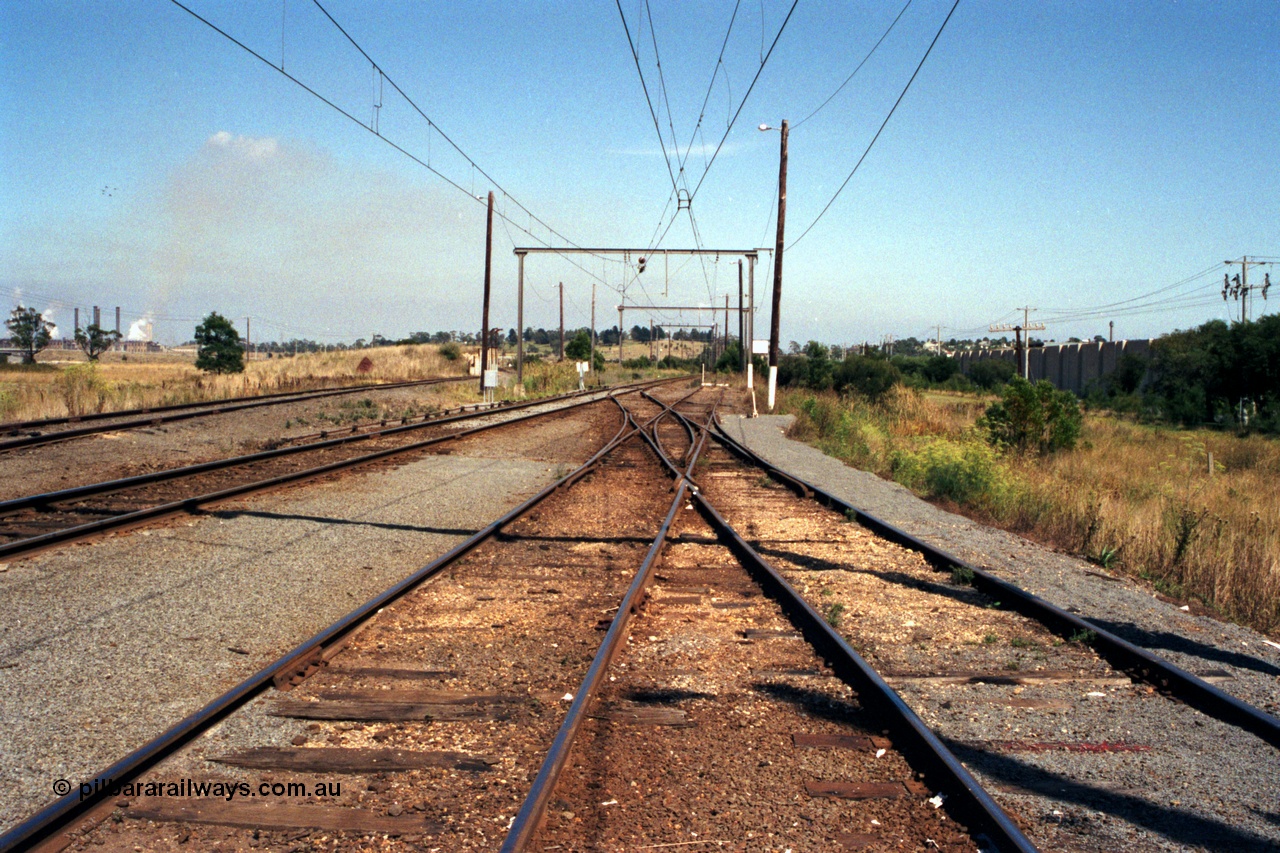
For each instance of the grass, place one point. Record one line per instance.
(1133, 498)
(63, 383)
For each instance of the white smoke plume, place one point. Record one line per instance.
(139, 330)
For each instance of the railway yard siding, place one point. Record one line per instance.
(106, 644)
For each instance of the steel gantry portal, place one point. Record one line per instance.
(745, 308)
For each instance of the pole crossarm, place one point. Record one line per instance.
(1006, 327)
(533, 250)
(636, 307)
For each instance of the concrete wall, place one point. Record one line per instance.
(1070, 367)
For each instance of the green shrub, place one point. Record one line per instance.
(450, 351)
(867, 375)
(1033, 417)
(990, 372)
(967, 473)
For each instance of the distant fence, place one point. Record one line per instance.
(1070, 367)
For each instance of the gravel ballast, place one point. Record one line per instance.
(1200, 780)
(104, 645)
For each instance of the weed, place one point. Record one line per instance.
(1083, 637)
(962, 575)
(826, 592)
(990, 639)
(851, 514)
(1023, 643)
(833, 613)
(1013, 665)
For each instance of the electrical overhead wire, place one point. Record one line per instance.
(857, 69)
(1067, 312)
(764, 60)
(702, 111)
(475, 167)
(656, 125)
(871, 144)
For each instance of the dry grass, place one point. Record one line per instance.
(1134, 498)
(72, 386)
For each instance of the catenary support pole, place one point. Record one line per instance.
(520, 323)
(562, 321)
(484, 314)
(751, 321)
(742, 324)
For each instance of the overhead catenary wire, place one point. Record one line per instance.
(872, 143)
(644, 86)
(856, 69)
(432, 126)
(764, 60)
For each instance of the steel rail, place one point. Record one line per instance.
(913, 737)
(67, 434)
(1118, 652)
(109, 486)
(30, 545)
(533, 810)
(70, 808)
(12, 427)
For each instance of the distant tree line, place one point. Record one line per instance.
(1220, 374)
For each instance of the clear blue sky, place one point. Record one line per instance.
(1065, 156)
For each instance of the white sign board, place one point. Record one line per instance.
(583, 367)
(491, 379)
(760, 347)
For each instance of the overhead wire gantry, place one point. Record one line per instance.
(745, 304)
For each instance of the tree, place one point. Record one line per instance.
(219, 346)
(990, 372)
(95, 340)
(30, 332)
(579, 349)
(872, 376)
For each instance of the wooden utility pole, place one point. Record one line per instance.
(593, 327)
(774, 319)
(726, 323)
(1021, 351)
(484, 317)
(1242, 287)
(562, 321)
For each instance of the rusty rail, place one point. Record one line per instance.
(1121, 654)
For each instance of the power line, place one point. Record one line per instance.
(371, 128)
(743, 102)
(882, 126)
(855, 70)
(702, 111)
(1159, 290)
(656, 126)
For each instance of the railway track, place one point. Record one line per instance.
(23, 434)
(34, 523)
(443, 710)
(1055, 715)
(624, 663)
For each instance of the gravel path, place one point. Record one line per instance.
(104, 645)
